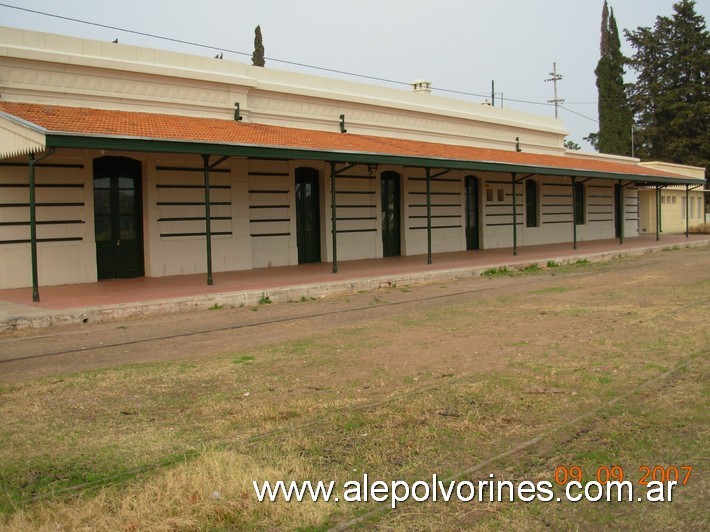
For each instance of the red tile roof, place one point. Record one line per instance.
(64, 120)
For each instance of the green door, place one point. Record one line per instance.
(618, 211)
(117, 217)
(390, 215)
(472, 214)
(307, 215)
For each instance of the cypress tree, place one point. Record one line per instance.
(615, 118)
(257, 58)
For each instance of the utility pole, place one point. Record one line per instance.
(493, 95)
(554, 79)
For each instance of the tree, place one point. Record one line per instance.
(593, 139)
(670, 98)
(572, 145)
(257, 58)
(615, 118)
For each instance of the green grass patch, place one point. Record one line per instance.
(551, 290)
(531, 268)
(496, 272)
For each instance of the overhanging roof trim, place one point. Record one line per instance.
(64, 140)
(19, 137)
(79, 127)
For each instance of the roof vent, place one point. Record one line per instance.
(421, 85)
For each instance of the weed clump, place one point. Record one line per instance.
(494, 272)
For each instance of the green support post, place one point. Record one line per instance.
(333, 217)
(660, 210)
(658, 213)
(622, 214)
(687, 208)
(428, 214)
(574, 212)
(33, 222)
(208, 219)
(33, 231)
(515, 216)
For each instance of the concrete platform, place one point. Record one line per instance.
(120, 298)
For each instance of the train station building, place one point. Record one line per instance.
(118, 162)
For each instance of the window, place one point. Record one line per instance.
(682, 208)
(692, 208)
(701, 212)
(495, 194)
(579, 203)
(531, 218)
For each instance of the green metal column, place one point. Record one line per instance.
(515, 216)
(33, 231)
(687, 208)
(208, 219)
(660, 210)
(658, 213)
(33, 222)
(428, 214)
(622, 214)
(574, 212)
(333, 217)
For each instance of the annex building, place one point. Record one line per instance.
(120, 161)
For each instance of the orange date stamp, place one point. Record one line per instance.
(680, 475)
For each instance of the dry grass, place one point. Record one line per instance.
(702, 229)
(214, 488)
(313, 409)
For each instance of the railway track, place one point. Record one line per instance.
(24, 343)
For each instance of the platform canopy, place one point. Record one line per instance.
(29, 128)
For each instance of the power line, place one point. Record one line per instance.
(106, 26)
(579, 114)
(198, 45)
(283, 61)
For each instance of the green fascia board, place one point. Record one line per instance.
(271, 152)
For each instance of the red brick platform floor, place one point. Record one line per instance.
(146, 289)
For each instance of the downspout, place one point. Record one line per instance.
(33, 222)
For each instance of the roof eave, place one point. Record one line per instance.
(64, 140)
(19, 137)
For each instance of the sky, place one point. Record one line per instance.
(459, 45)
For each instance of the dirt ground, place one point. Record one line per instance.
(598, 364)
(197, 335)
